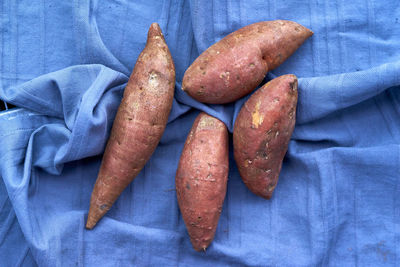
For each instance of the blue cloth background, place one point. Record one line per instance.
(65, 64)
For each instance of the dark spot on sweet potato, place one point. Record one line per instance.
(199, 218)
(262, 153)
(293, 86)
(188, 186)
(104, 207)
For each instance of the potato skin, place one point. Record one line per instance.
(262, 133)
(201, 178)
(236, 65)
(139, 124)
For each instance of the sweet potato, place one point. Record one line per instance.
(201, 178)
(236, 65)
(139, 124)
(262, 133)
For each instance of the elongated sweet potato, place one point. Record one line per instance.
(138, 126)
(201, 178)
(236, 65)
(262, 133)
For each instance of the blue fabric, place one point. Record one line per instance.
(65, 64)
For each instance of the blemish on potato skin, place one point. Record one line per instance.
(291, 114)
(271, 187)
(257, 118)
(262, 154)
(293, 85)
(225, 75)
(245, 164)
(104, 207)
(206, 121)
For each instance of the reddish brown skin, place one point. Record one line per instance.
(236, 65)
(262, 133)
(138, 126)
(201, 179)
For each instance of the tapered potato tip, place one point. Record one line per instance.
(95, 214)
(292, 80)
(200, 246)
(90, 224)
(293, 35)
(154, 31)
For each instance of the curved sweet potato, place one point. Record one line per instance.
(236, 65)
(262, 133)
(138, 126)
(201, 178)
